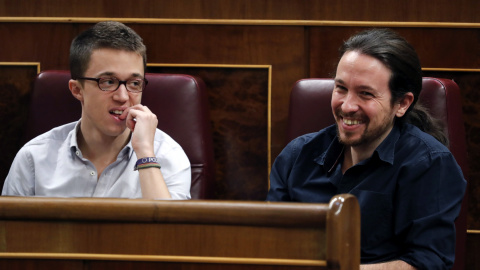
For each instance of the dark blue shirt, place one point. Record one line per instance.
(410, 191)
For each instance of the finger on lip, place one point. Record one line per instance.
(124, 115)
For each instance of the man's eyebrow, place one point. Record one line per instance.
(366, 87)
(337, 80)
(108, 73)
(361, 87)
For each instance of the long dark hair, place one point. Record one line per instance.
(401, 58)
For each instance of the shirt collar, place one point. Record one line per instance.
(73, 137)
(385, 151)
(127, 150)
(331, 156)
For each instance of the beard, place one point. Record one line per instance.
(370, 133)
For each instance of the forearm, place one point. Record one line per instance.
(174, 178)
(392, 265)
(153, 184)
(142, 122)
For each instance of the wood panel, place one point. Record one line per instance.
(437, 48)
(341, 10)
(239, 107)
(473, 245)
(192, 233)
(20, 264)
(282, 47)
(16, 80)
(43, 264)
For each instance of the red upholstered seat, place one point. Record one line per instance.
(179, 101)
(310, 111)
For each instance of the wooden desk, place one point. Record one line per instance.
(60, 233)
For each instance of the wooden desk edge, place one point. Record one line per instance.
(156, 211)
(161, 258)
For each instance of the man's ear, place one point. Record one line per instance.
(405, 103)
(76, 89)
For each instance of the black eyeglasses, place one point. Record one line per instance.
(111, 84)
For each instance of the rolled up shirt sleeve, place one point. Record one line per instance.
(427, 203)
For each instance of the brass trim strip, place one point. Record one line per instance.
(162, 258)
(473, 231)
(452, 69)
(37, 64)
(269, 105)
(242, 22)
(269, 125)
(208, 65)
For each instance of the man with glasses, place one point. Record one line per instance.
(115, 149)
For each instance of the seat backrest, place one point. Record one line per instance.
(179, 101)
(310, 111)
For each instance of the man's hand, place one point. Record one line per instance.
(142, 122)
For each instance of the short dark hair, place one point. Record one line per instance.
(401, 58)
(108, 34)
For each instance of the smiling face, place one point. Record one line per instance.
(101, 109)
(361, 101)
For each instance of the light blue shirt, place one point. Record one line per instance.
(52, 165)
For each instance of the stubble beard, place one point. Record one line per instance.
(368, 136)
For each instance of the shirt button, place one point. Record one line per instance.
(92, 173)
(77, 153)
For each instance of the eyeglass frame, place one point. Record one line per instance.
(119, 83)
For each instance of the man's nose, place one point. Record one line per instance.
(350, 103)
(121, 93)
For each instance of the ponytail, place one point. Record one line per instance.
(420, 117)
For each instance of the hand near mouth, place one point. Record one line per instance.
(124, 116)
(143, 123)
